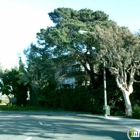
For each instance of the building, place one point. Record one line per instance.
(72, 75)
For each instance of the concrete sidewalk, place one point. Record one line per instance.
(128, 122)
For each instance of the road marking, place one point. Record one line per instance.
(29, 138)
(40, 123)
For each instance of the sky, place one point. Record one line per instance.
(20, 20)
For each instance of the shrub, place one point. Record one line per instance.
(77, 99)
(136, 112)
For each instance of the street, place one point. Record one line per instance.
(16, 125)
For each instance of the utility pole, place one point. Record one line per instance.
(106, 108)
(105, 92)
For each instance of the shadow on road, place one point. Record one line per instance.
(55, 125)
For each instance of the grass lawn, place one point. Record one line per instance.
(19, 108)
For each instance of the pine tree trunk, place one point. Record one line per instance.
(128, 107)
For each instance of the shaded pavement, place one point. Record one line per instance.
(58, 126)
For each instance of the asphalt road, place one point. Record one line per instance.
(58, 126)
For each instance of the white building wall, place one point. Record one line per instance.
(70, 81)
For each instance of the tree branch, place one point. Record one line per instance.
(118, 82)
(115, 70)
(125, 76)
(136, 81)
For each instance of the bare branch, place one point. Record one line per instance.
(132, 73)
(114, 70)
(136, 81)
(118, 82)
(125, 76)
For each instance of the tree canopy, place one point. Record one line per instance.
(101, 41)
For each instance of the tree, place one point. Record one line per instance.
(104, 42)
(5, 84)
(10, 86)
(37, 74)
(64, 40)
(23, 88)
(119, 50)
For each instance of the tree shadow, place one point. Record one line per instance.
(56, 125)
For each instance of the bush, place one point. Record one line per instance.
(136, 112)
(78, 99)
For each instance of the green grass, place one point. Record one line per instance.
(33, 108)
(20, 108)
(27, 108)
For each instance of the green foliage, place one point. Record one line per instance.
(64, 38)
(136, 112)
(20, 108)
(79, 100)
(82, 99)
(9, 85)
(136, 94)
(61, 45)
(114, 95)
(38, 73)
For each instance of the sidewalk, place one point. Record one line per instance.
(128, 122)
